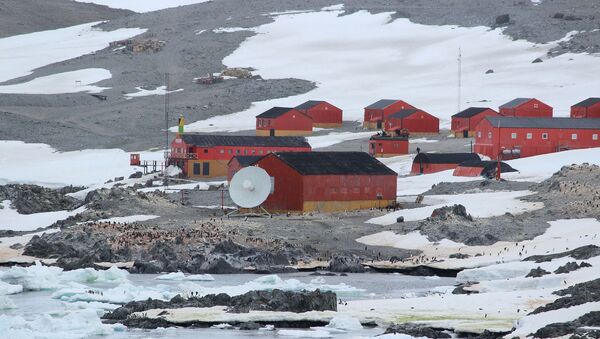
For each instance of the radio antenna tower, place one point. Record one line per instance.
(459, 77)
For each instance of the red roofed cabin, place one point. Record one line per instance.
(524, 137)
(389, 144)
(206, 156)
(376, 113)
(526, 107)
(324, 114)
(328, 182)
(238, 162)
(464, 122)
(588, 108)
(414, 120)
(283, 121)
(426, 163)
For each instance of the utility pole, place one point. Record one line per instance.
(166, 131)
(459, 76)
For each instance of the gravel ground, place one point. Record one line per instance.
(76, 121)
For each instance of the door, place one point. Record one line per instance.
(379, 124)
(206, 169)
(465, 134)
(272, 132)
(196, 170)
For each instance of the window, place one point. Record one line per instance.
(513, 135)
(489, 135)
(260, 151)
(529, 136)
(594, 136)
(545, 136)
(222, 151)
(479, 134)
(535, 106)
(206, 168)
(237, 151)
(205, 151)
(253, 151)
(574, 136)
(196, 169)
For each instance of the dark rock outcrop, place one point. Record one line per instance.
(578, 294)
(580, 253)
(347, 264)
(591, 319)
(503, 19)
(570, 267)
(416, 331)
(536, 273)
(28, 199)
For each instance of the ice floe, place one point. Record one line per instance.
(179, 276)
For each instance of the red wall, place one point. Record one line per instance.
(586, 112)
(558, 140)
(381, 114)
(420, 122)
(287, 193)
(430, 168)
(531, 108)
(324, 113)
(233, 167)
(349, 187)
(469, 124)
(391, 146)
(467, 171)
(294, 120)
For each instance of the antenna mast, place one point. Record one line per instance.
(166, 129)
(459, 76)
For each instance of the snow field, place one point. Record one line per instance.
(11, 219)
(336, 138)
(479, 205)
(161, 90)
(67, 82)
(331, 49)
(143, 6)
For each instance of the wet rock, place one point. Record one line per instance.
(503, 19)
(489, 71)
(536, 273)
(348, 264)
(451, 212)
(537, 61)
(416, 331)
(570, 267)
(249, 326)
(136, 175)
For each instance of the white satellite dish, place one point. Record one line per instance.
(250, 187)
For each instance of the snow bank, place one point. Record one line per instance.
(336, 138)
(479, 205)
(534, 322)
(131, 218)
(331, 50)
(271, 282)
(120, 294)
(344, 322)
(21, 54)
(161, 90)
(58, 325)
(67, 82)
(203, 186)
(20, 161)
(541, 167)
(179, 276)
(11, 219)
(143, 6)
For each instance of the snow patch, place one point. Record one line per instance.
(141, 92)
(143, 6)
(336, 138)
(67, 82)
(179, 276)
(11, 219)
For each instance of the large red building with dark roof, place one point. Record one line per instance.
(588, 108)
(283, 121)
(526, 107)
(376, 112)
(205, 156)
(464, 122)
(414, 120)
(324, 114)
(524, 137)
(328, 181)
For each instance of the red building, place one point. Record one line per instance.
(324, 114)
(204, 156)
(526, 107)
(283, 121)
(478, 168)
(426, 163)
(526, 137)
(376, 113)
(238, 162)
(588, 108)
(464, 122)
(388, 144)
(328, 181)
(414, 120)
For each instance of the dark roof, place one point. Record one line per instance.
(246, 160)
(470, 112)
(515, 102)
(309, 104)
(334, 163)
(549, 123)
(389, 137)
(403, 113)
(274, 112)
(445, 158)
(587, 102)
(207, 140)
(383, 103)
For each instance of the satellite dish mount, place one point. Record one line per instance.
(248, 189)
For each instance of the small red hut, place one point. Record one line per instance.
(389, 144)
(283, 121)
(414, 120)
(588, 108)
(324, 114)
(328, 181)
(477, 168)
(376, 113)
(526, 107)
(238, 162)
(464, 122)
(426, 163)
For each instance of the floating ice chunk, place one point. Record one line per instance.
(121, 294)
(178, 276)
(90, 275)
(222, 326)
(10, 289)
(171, 276)
(267, 327)
(5, 304)
(344, 322)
